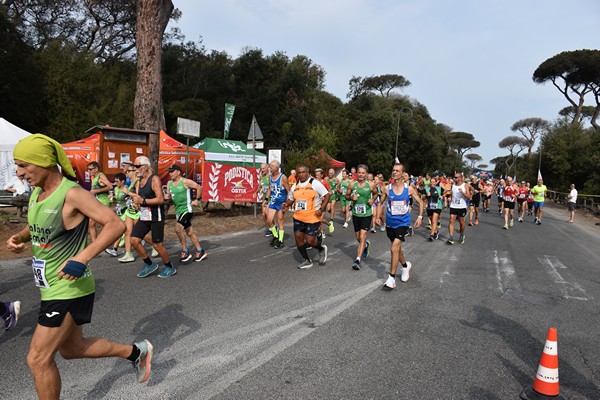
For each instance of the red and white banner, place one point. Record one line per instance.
(229, 183)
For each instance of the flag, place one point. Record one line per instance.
(229, 109)
(539, 174)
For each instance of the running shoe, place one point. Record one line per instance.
(112, 251)
(331, 227)
(142, 364)
(511, 223)
(410, 231)
(200, 255)
(367, 249)
(439, 225)
(428, 226)
(306, 264)
(167, 272)
(539, 222)
(373, 230)
(323, 255)
(345, 224)
(154, 253)
(406, 272)
(273, 241)
(461, 239)
(268, 233)
(437, 235)
(11, 316)
(127, 257)
(476, 221)
(520, 219)
(470, 223)
(505, 227)
(430, 238)
(536, 220)
(450, 240)
(185, 256)
(390, 282)
(356, 265)
(147, 270)
(279, 244)
(382, 229)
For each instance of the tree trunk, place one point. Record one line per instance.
(148, 114)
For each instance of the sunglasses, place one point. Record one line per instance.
(138, 165)
(456, 177)
(131, 170)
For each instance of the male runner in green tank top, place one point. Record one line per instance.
(57, 229)
(345, 203)
(362, 193)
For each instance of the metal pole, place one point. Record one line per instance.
(254, 153)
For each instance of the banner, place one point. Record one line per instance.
(229, 183)
(229, 109)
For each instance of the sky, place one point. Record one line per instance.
(470, 62)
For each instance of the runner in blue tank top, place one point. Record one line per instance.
(398, 221)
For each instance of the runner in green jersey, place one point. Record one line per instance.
(180, 192)
(334, 183)
(342, 189)
(100, 188)
(362, 193)
(129, 215)
(57, 229)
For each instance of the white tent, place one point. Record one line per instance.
(9, 136)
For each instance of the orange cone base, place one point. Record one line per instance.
(530, 394)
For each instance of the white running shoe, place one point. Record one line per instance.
(112, 252)
(390, 282)
(154, 253)
(127, 257)
(345, 224)
(323, 255)
(406, 272)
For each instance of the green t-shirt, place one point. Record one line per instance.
(539, 192)
(361, 207)
(181, 197)
(52, 245)
(102, 197)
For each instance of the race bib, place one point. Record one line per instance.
(456, 200)
(360, 208)
(508, 198)
(300, 205)
(399, 207)
(433, 204)
(39, 272)
(521, 195)
(145, 214)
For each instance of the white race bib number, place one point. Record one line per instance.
(433, 205)
(456, 201)
(399, 207)
(39, 272)
(360, 208)
(508, 198)
(300, 205)
(145, 214)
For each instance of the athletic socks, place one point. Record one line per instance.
(280, 237)
(303, 252)
(404, 265)
(273, 231)
(135, 353)
(147, 261)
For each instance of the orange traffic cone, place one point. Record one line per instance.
(545, 384)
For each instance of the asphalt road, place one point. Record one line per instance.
(471, 323)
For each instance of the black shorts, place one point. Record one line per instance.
(431, 211)
(509, 204)
(475, 200)
(571, 206)
(53, 312)
(487, 197)
(141, 229)
(185, 219)
(361, 223)
(396, 233)
(309, 228)
(459, 212)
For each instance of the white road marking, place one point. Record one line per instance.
(505, 271)
(568, 290)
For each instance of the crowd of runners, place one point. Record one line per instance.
(372, 203)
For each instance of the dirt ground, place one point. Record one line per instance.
(217, 220)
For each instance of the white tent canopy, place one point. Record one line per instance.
(9, 136)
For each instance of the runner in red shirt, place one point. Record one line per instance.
(509, 195)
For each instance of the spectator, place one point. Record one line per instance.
(572, 200)
(18, 186)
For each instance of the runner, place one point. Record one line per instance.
(539, 195)
(509, 196)
(57, 228)
(398, 220)
(363, 194)
(345, 203)
(278, 193)
(130, 215)
(474, 202)
(262, 191)
(149, 198)
(529, 200)
(499, 194)
(376, 205)
(460, 195)
(522, 200)
(100, 188)
(333, 183)
(119, 200)
(435, 203)
(328, 223)
(488, 190)
(179, 190)
(310, 198)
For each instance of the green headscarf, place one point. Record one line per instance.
(45, 152)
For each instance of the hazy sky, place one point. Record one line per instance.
(470, 62)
